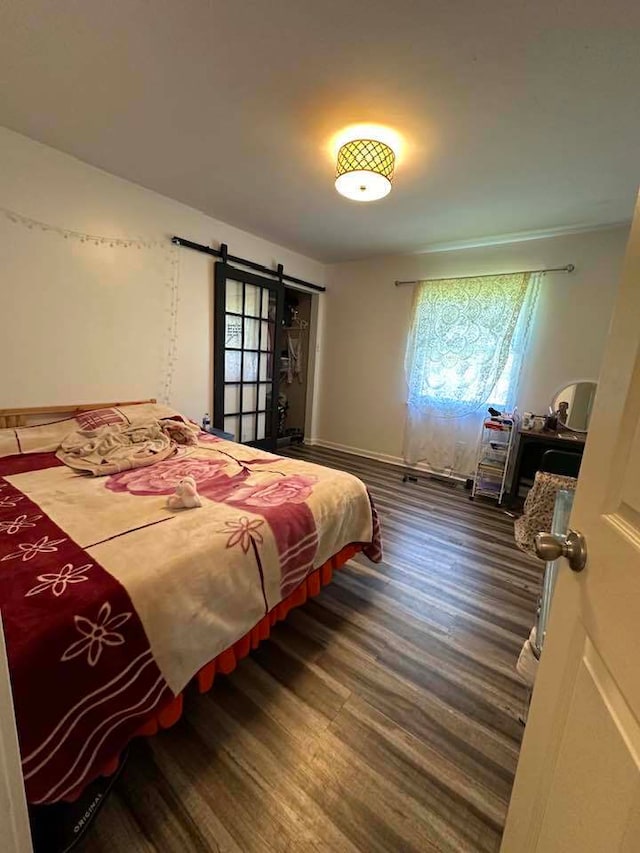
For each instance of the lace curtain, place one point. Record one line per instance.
(464, 353)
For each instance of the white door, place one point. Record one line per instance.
(577, 788)
(15, 836)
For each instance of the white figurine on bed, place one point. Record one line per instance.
(186, 495)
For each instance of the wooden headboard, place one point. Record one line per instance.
(19, 416)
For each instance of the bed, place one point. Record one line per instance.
(113, 603)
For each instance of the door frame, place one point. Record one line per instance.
(14, 817)
(223, 272)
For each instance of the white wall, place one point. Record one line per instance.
(88, 324)
(362, 398)
(54, 351)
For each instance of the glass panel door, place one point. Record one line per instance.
(248, 316)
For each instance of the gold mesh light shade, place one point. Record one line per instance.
(365, 170)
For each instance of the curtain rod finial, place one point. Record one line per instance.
(570, 267)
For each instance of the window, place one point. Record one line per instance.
(444, 382)
(467, 341)
(500, 394)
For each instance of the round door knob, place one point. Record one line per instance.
(550, 546)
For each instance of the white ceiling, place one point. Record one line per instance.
(518, 115)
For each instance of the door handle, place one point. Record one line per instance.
(573, 546)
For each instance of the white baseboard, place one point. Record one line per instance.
(398, 461)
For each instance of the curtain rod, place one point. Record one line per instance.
(567, 268)
(222, 253)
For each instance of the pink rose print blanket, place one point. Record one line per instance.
(111, 602)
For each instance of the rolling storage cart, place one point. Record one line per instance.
(494, 452)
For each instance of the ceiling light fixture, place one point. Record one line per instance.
(365, 169)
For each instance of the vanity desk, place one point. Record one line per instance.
(571, 406)
(530, 446)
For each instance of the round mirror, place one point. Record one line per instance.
(573, 403)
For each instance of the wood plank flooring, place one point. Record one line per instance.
(380, 717)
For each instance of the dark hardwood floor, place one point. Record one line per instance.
(381, 716)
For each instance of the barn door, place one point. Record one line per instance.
(248, 311)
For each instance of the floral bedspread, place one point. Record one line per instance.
(111, 602)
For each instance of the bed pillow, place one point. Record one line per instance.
(47, 438)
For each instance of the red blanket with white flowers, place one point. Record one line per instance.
(111, 602)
